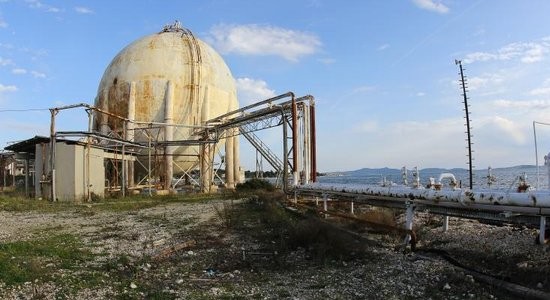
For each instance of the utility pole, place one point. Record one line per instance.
(463, 84)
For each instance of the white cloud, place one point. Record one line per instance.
(7, 88)
(37, 74)
(412, 143)
(527, 104)
(252, 90)
(5, 62)
(383, 47)
(485, 80)
(36, 4)
(19, 71)
(83, 10)
(255, 39)
(53, 9)
(540, 91)
(509, 128)
(544, 90)
(534, 54)
(432, 5)
(367, 126)
(3, 24)
(526, 52)
(420, 94)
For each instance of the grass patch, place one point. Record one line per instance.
(130, 203)
(25, 261)
(21, 204)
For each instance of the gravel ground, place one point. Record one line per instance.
(187, 251)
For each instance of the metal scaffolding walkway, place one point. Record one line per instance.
(263, 149)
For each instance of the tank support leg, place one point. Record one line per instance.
(542, 231)
(445, 223)
(409, 220)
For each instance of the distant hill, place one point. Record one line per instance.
(389, 171)
(394, 172)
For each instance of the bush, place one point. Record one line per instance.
(255, 184)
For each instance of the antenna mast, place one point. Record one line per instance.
(463, 84)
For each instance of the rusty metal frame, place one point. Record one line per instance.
(280, 110)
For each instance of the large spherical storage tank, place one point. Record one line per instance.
(169, 68)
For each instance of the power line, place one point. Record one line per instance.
(23, 110)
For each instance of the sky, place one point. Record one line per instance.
(383, 73)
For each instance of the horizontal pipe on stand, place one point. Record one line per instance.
(465, 197)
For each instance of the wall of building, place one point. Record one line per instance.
(72, 175)
(42, 168)
(95, 178)
(65, 172)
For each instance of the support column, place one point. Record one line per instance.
(313, 149)
(27, 194)
(295, 156)
(236, 158)
(38, 170)
(409, 220)
(130, 131)
(52, 155)
(204, 159)
(104, 119)
(542, 230)
(206, 163)
(168, 134)
(229, 162)
(307, 146)
(352, 210)
(445, 223)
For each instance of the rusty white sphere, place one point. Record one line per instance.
(203, 86)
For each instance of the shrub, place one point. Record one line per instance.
(255, 184)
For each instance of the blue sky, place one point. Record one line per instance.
(382, 72)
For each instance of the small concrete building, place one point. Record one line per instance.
(79, 168)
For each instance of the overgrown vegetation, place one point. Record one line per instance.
(25, 261)
(290, 231)
(225, 213)
(255, 184)
(130, 203)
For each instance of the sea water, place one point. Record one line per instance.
(503, 178)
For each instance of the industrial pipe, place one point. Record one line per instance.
(130, 130)
(447, 176)
(294, 124)
(285, 95)
(168, 134)
(285, 152)
(52, 153)
(313, 141)
(465, 197)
